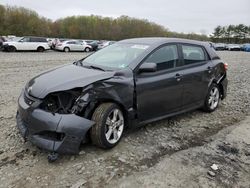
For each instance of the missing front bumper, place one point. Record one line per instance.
(61, 133)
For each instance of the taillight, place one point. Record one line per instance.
(225, 66)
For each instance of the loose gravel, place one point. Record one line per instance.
(23, 165)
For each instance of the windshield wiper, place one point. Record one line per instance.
(95, 67)
(78, 63)
(92, 67)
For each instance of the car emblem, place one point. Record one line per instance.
(29, 89)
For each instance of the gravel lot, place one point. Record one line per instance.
(176, 152)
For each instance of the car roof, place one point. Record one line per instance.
(154, 42)
(160, 40)
(33, 37)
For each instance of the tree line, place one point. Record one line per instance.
(20, 21)
(231, 34)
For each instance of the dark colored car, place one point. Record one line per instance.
(94, 44)
(127, 84)
(2, 40)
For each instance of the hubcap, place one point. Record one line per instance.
(214, 97)
(114, 126)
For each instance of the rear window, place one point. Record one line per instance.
(193, 54)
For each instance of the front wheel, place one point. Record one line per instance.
(108, 130)
(12, 49)
(212, 99)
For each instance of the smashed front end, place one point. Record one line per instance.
(54, 123)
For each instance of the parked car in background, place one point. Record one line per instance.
(220, 46)
(92, 43)
(105, 44)
(246, 47)
(73, 45)
(2, 40)
(126, 85)
(28, 43)
(233, 47)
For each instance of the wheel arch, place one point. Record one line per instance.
(12, 46)
(93, 105)
(66, 47)
(40, 47)
(219, 83)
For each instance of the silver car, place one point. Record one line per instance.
(73, 45)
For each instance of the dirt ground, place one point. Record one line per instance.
(176, 152)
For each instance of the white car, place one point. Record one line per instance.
(73, 45)
(234, 47)
(39, 44)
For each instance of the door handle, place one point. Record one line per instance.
(209, 69)
(178, 77)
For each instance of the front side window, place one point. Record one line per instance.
(25, 39)
(193, 54)
(166, 57)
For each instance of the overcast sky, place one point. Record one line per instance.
(200, 16)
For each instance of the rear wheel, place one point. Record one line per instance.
(87, 49)
(212, 99)
(40, 49)
(66, 49)
(12, 49)
(108, 130)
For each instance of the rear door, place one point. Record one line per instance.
(79, 46)
(196, 74)
(34, 43)
(159, 93)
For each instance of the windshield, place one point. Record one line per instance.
(16, 39)
(116, 56)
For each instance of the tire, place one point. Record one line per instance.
(12, 49)
(66, 49)
(40, 49)
(87, 49)
(212, 99)
(110, 123)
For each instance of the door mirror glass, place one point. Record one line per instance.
(148, 67)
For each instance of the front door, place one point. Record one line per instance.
(159, 93)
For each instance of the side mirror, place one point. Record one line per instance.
(148, 67)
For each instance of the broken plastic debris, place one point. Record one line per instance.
(214, 167)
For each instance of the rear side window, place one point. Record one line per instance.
(193, 54)
(36, 39)
(165, 57)
(72, 42)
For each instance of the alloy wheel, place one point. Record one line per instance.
(114, 126)
(214, 98)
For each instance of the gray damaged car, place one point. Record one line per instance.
(125, 85)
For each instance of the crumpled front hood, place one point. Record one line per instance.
(64, 78)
